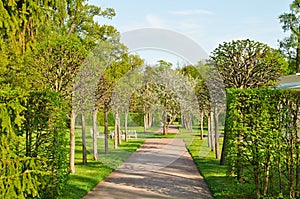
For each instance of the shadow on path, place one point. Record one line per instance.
(160, 168)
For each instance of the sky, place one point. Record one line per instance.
(206, 22)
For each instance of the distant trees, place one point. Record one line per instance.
(290, 46)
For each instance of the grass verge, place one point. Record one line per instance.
(88, 176)
(221, 185)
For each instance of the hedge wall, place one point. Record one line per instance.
(262, 127)
(33, 161)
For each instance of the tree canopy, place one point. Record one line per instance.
(290, 46)
(248, 64)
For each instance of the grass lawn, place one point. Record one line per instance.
(88, 176)
(222, 185)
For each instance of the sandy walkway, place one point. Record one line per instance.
(161, 168)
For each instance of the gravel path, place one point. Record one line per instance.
(160, 168)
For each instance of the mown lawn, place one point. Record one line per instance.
(222, 185)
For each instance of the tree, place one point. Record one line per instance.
(290, 46)
(67, 52)
(247, 64)
(21, 23)
(195, 73)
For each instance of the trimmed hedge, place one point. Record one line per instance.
(33, 137)
(262, 129)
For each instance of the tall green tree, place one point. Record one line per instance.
(21, 22)
(290, 46)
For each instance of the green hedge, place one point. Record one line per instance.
(33, 152)
(262, 127)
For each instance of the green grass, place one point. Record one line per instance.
(88, 176)
(221, 185)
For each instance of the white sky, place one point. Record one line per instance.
(207, 22)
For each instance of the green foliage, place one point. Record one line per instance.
(248, 64)
(32, 150)
(290, 46)
(263, 144)
(57, 61)
(111, 119)
(136, 119)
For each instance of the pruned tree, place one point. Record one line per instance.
(247, 64)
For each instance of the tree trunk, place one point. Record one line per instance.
(298, 51)
(212, 141)
(217, 143)
(125, 125)
(83, 134)
(145, 121)
(119, 130)
(72, 142)
(95, 148)
(209, 131)
(201, 125)
(165, 127)
(115, 132)
(224, 152)
(150, 119)
(106, 129)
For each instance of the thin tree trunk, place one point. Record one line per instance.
(125, 125)
(72, 142)
(73, 26)
(95, 148)
(224, 152)
(145, 121)
(150, 119)
(217, 143)
(209, 131)
(212, 131)
(119, 130)
(165, 127)
(84, 158)
(116, 133)
(106, 129)
(201, 125)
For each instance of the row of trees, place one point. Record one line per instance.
(43, 45)
(57, 45)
